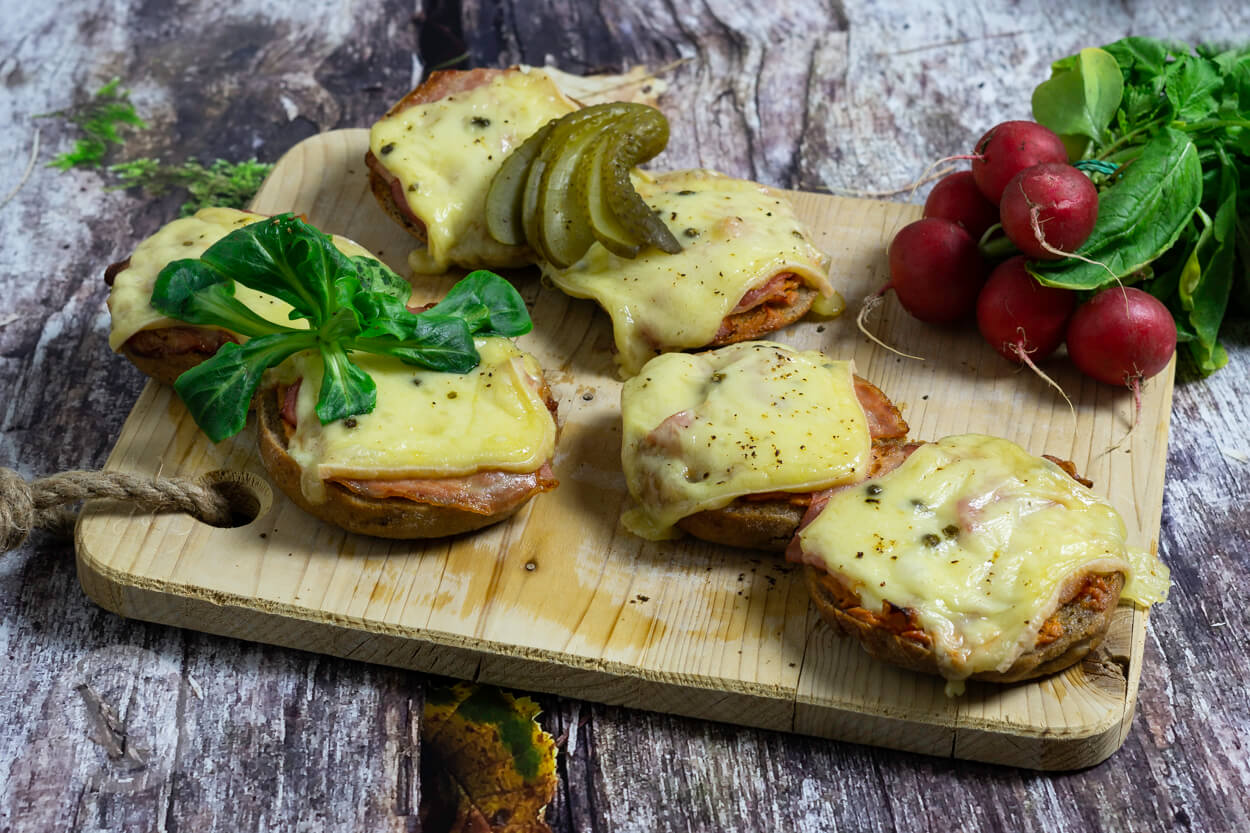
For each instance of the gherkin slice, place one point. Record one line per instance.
(503, 200)
(563, 223)
(569, 184)
(608, 230)
(648, 130)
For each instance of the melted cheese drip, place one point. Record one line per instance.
(427, 423)
(979, 539)
(130, 300)
(735, 235)
(702, 430)
(445, 153)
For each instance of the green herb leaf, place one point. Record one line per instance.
(194, 292)
(222, 183)
(488, 303)
(1190, 86)
(345, 390)
(218, 391)
(1081, 97)
(440, 342)
(1207, 298)
(286, 258)
(351, 304)
(98, 119)
(1139, 217)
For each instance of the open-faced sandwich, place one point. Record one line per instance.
(973, 559)
(433, 155)
(158, 345)
(747, 267)
(374, 417)
(730, 445)
(440, 454)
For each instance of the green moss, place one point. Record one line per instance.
(221, 183)
(98, 119)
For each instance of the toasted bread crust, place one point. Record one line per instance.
(1082, 621)
(759, 321)
(384, 518)
(166, 353)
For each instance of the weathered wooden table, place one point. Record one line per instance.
(116, 725)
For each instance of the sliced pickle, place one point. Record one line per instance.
(569, 185)
(649, 130)
(603, 223)
(563, 224)
(503, 201)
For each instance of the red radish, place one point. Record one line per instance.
(957, 198)
(1049, 210)
(936, 270)
(1009, 148)
(1019, 317)
(1121, 336)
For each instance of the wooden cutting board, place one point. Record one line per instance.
(561, 599)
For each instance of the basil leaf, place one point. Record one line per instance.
(218, 391)
(191, 291)
(346, 390)
(1082, 95)
(488, 304)
(1139, 217)
(285, 257)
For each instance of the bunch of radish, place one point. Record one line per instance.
(1021, 181)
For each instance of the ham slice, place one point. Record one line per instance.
(484, 492)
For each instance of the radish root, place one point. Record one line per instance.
(909, 188)
(924, 177)
(1035, 221)
(1019, 351)
(871, 303)
(1134, 384)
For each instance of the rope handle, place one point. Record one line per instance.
(44, 503)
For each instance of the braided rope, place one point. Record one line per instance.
(44, 503)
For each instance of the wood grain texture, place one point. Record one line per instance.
(561, 599)
(865, 110)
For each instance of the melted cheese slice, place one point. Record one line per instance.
(130, 300)
(735, 235)
(702, 430)
(426, 423)
(445, 153)
(980, 540)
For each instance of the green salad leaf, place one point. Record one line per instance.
(343, 305)
(1139, 217)
(1173, 215)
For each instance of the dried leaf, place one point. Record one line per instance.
(640, 85)
(486, 764)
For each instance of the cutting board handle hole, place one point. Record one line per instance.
(248, 495)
